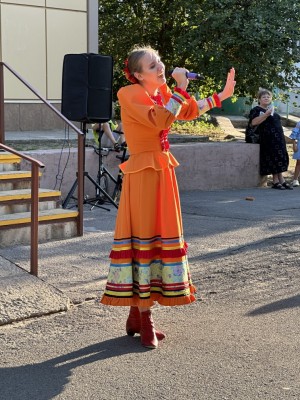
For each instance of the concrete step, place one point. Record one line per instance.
(58, 230)
(19, 219)
(53, 224)
(18, 201)
(8, 161)
(15, 205)
(13, 180)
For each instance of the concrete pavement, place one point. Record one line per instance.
(74, 270)
(238, 341)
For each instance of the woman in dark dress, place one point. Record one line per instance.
(274, 159)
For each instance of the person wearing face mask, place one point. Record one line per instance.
(274, 158)
(149, 255)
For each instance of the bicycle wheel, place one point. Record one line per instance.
(104, 185)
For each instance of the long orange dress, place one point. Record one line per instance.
(149, 255)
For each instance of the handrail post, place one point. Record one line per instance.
(34, 219)
(80, 178)
(2, 134)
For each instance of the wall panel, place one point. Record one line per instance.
(66, 34)
(24, 49)
(40, 3)
(80, 5)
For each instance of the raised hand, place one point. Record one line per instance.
(229, 86)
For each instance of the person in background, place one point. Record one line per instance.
(112, 131)
(295, 136)
(274, 158)
(149, 255)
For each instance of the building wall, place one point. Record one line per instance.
(34, 37)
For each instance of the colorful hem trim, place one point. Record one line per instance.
(154, 298)
(144, 270)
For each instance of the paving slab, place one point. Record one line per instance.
(23, 295)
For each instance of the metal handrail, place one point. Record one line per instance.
(35, 163)
(34, 223)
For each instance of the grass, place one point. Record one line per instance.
(196, 127)
(203, 128)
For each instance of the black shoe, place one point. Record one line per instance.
(278, 186)
(287, 186)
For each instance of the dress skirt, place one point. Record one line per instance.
(149, 255)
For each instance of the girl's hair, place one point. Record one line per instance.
(135, 56)
(262, 92)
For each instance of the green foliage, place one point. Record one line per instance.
(201, 126)
(260, 38)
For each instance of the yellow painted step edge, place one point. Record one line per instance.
(9, 158)
(28, 196)
(42, 218)
(17, 175)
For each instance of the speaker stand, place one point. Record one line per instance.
(86, 200)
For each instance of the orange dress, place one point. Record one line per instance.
(149, 255)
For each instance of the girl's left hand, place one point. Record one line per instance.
(229, 86)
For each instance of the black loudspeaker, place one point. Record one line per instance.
(87, 87)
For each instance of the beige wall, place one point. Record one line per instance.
(35, 36)
(200, 166)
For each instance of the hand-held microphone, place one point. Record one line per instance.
(190, 75)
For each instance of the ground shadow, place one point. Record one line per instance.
(279, 305)
(46, 380)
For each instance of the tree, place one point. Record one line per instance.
(257, 37)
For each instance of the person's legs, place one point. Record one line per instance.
(278, 182)
(283, 183)
(275, 178)
(108, 132)
(106, 129)
(119, 130)
(296, 174)
(133, 323)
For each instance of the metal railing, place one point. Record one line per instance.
(36, 164)
(34, 222)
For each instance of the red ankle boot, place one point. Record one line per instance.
(148, 336)
(133, 324)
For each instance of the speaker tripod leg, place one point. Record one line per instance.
(102, 191)
(70, 194)
(102, 182)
